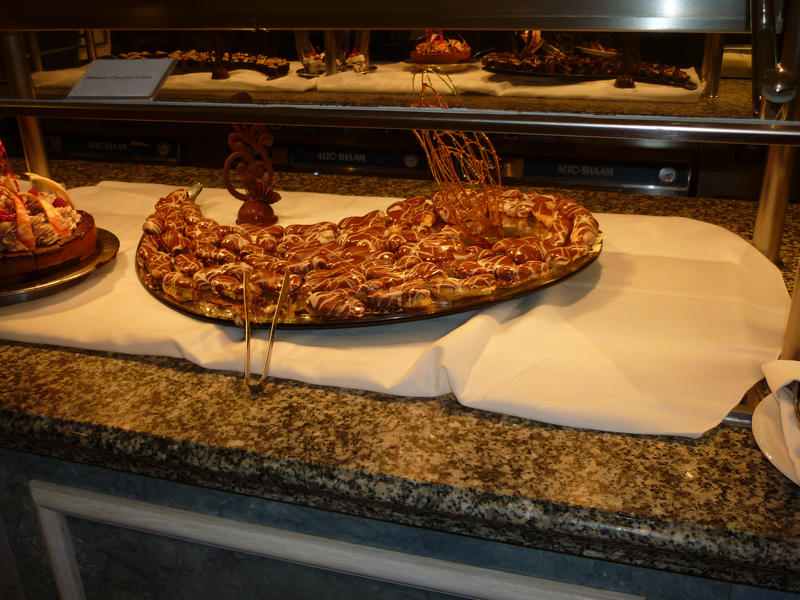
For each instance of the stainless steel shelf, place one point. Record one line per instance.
(597, 15)
(743, 131)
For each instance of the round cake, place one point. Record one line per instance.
(41, 232)
(437, 49)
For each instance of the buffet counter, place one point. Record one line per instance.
(710, 511)
(396, 84)
(399, 79)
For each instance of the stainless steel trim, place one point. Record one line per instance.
(790, 53)
(744, 131)
(774, 201)
(330, 52)
(33, 48)
(764, 45)
(776, 186)
(91, 48)
(742, 413)
(616, 15)
(712, 63)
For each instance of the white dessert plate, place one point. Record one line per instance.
(768, 434)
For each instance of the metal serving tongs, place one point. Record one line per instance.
(258, 385)
(194, 191)
(795, 391)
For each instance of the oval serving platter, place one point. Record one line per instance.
(534, 78)
(223, 314)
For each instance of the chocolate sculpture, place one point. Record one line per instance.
(250, 160)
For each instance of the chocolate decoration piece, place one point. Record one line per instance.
(250, 161)
(220, 69)
(258, 212)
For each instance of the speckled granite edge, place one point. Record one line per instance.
(569, 529)
(683, 547)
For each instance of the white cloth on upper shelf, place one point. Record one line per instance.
(399, 78)
(240, 80)
(662, 334)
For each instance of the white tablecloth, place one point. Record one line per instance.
(240, 80)
(398, 78)
(661, 335)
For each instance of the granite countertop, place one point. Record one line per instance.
(712, 506)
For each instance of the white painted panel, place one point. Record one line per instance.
(365, 561)
(58, 542)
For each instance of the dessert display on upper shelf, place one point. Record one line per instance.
(356, 61)
(408, 259)
(200, 61)
(315, 63)
(40, 232)
(538, 57)
(438, 49)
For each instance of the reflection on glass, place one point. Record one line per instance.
(603, 73)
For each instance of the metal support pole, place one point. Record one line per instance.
(777, 184)
(774, 201)
(764, 53)
(362, 44)
(712, 63)
(91, 48)
(330, 51)
(791, 336)
(20, 86)
(33, 48)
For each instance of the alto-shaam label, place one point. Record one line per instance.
(656, 175)
(300, 156)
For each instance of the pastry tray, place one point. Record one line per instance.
(567, 78)
(547, 78)
(223, 315)
(55, 281)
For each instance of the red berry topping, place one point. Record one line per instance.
(60, 203)
(6, 215)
